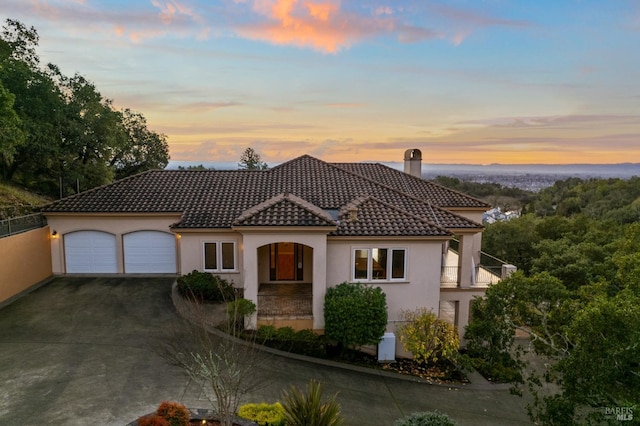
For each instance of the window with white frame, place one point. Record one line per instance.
(379, 264)
(219, 256)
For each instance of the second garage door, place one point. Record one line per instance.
(149, 252)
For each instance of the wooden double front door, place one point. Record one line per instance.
(286, 262)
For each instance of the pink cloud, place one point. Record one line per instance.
(170, 9)
(323, 25)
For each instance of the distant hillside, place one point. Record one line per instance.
(15, 201)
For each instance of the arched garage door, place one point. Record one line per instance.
(90, 252)
(149, 252)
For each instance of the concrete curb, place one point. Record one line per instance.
(478, 382)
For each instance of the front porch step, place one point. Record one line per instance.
(297, 323)
(285, 300)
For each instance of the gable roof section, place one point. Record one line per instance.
(284, 210)
(332, 187)
(376, 218)
(435, 194)
(221, 198)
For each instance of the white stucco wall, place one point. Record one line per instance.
(254, 239)
(117, 225)
(192, 253)
(422, 286)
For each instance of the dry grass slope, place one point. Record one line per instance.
(15, 201)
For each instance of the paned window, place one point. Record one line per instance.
(219, 256)
(379, 264)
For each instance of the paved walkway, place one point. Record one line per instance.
(79, 351)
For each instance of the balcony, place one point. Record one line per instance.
(488, 272)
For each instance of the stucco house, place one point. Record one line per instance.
(284, 235)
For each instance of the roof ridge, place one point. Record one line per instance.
(397, 191)
(410, 176)
(285, 196)
(281, 165)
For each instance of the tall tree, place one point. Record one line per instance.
(11, 135)
(69, 137)
(93, 131)
(141, 150)
(250, 160)
(40, 107)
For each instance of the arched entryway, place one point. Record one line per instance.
(285, 292)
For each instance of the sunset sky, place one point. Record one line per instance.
(466, 81)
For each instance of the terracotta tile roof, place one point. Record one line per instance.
(368, 216)
(220, 198)
(284, 210)
(435, 194)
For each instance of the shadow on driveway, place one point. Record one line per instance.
(79, 350)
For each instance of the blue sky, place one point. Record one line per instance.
(491, 81)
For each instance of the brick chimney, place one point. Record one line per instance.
(413, 162)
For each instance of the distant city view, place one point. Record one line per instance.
(530, 177)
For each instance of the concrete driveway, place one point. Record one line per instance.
(78, 351)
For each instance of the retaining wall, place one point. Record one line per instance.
(25, 260)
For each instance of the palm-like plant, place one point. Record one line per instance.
(309, 409)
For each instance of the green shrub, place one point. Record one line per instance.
(264, 414)
(285, 334)
(355, 314)
(205, 287)
(310, 409)
(426, 418)
(174, 413)
(429, 338)
(304, 342)
(237, 310)
(265, 333)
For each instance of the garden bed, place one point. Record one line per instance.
(313, 345)
(309, 344)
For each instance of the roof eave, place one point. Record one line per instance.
(295, 228)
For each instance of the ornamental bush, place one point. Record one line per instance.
(426, 418)
(205, 287)
(355, 314)
(152, 420)
(174, 413)
(429, 338)
(304, 342)
(310, 409)
(237, 310)
(264, 414)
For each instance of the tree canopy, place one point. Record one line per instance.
(58, 134)
(576, 295)
(250, 160)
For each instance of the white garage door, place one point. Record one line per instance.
(149, 252)
(90, 252)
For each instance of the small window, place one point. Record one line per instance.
(398, 263)
(379, 264)
(210, 256)
(228, 256)
(361, 264)
(220, 256)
